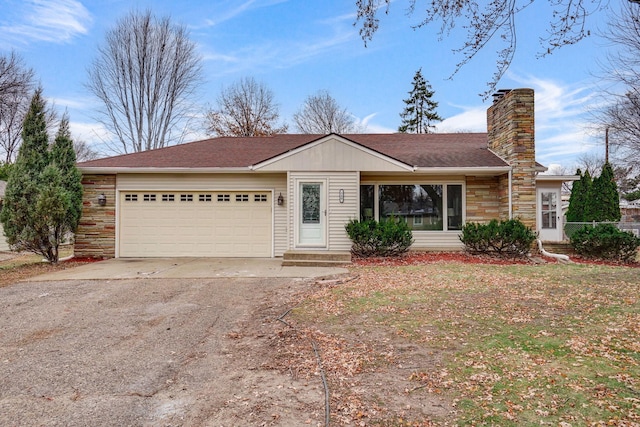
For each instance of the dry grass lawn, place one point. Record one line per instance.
(506, 345)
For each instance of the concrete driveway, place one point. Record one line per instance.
(173, 342)
(188, 268)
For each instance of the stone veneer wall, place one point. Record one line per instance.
(96, 235)
(511, 133)
(482, 198)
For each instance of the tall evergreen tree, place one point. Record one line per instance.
(420, 111)
(41, 200)
(63, 157)
(578, 200)
(604, 199)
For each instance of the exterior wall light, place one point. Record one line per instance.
(280, 200)
(102, 199)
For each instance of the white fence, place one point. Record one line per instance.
(572, 227)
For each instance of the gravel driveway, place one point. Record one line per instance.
(146, 352)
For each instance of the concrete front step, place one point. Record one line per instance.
(558, 247)
(316, 258)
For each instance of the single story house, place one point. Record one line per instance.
(265, 196)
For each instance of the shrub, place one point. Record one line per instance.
(605, 241)
(511, 238)
(390, 237)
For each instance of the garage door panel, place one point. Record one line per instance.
(230, 223)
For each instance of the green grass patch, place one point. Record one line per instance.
(522, 344)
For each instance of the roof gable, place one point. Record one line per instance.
(335, 153)
(379, 152)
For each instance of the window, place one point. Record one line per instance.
(549, 208)
(454, 207)
(130, 197)
(242, 197)
(168, 197)
(408, 200)
(223, 197)
(204, 197)
(149, 198)
(186, 197)
(259, 197)
(425, 207)
(367, 202)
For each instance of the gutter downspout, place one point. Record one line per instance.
(510, 194)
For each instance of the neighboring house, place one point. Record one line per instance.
(3, 243)
(264, 196)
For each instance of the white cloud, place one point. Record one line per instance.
(94, 134)
(323, 38)
(55, 21)
(563, 130)
(370, 127)
(235, 10)
(472, 119)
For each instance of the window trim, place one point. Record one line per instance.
(445, 183)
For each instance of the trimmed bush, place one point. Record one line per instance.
(390, 237)
(508, 239)
(605, 241)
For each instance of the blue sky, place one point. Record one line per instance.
(297, 47)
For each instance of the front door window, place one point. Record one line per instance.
(312, 214)
(310, 203)
(549, 209)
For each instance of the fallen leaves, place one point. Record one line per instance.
(507, 344)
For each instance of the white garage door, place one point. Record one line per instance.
(195, 224)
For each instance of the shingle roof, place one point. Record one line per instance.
(425, 150)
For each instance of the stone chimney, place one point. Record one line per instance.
(511, 135)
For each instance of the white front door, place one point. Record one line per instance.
(312, 214)
(550, 222)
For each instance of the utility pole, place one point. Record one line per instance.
(606, 145)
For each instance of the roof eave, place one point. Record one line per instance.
(562, 178)
(473, 170)
(103, 170)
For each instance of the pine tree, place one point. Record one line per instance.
(420, 111)
(63, 157)
(41, 200)
(604, 200)
(579, 198)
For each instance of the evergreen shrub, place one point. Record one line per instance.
(389, 237)
(605, 241)
(508, 239)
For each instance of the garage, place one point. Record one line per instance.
(195, 224)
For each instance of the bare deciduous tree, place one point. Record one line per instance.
(489, 20)
(321, 114)
(16, 86)
(84, 151)
(622, 70)
(145, 74)
(246, 108)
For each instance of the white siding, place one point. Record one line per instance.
(338, 214)
(335, 155)
(212, 182)
(341, 213)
